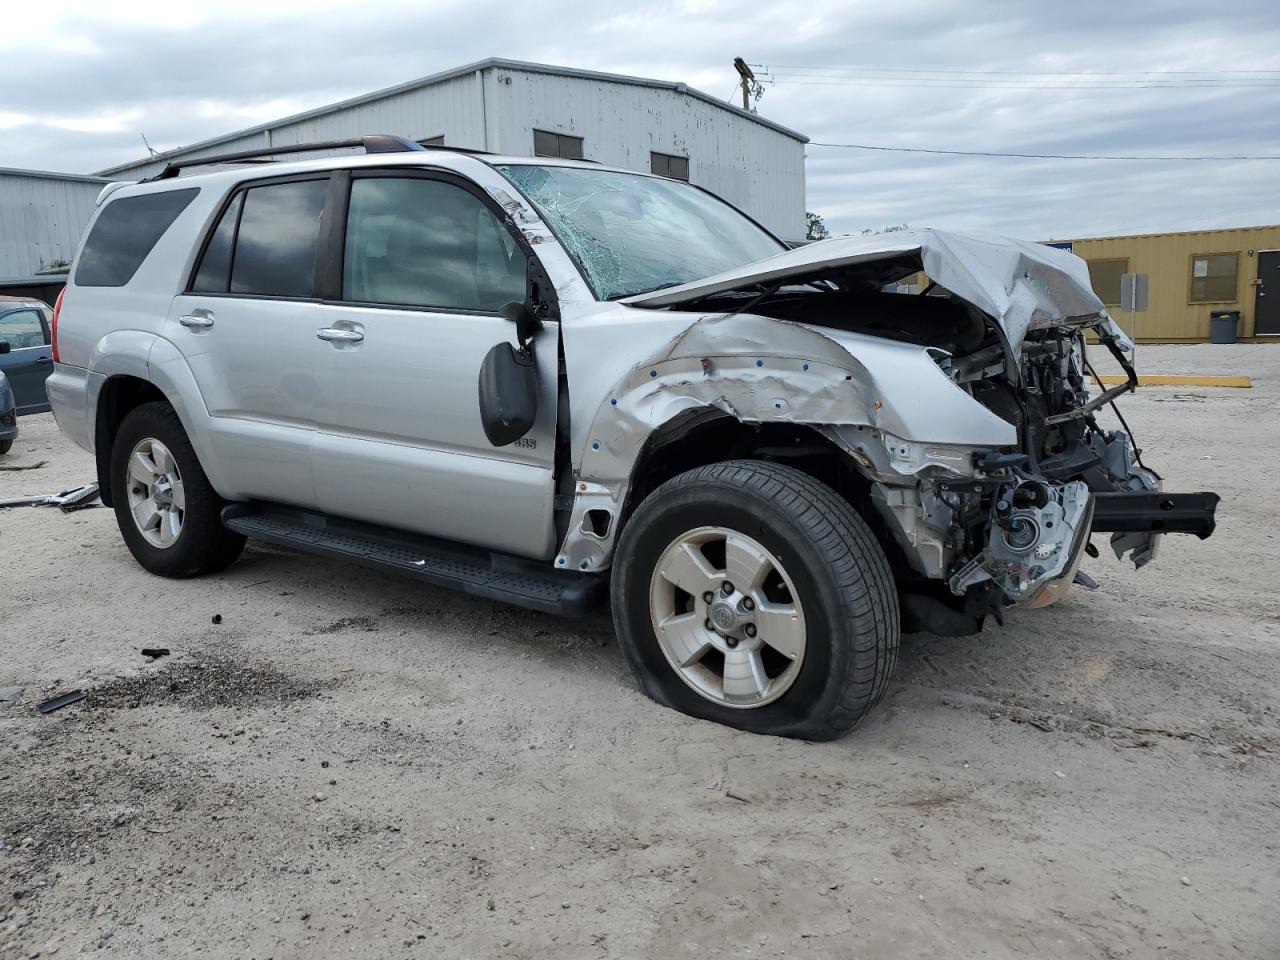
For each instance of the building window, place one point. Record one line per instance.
(561, 145)
(437, 141)
(1213, 277)
(668, 165)
(1104, 277)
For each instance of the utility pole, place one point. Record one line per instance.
(747, 79)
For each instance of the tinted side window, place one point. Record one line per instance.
(124, 233)
(428, 243)
(21, 329)
(214, 275)
(275, 248)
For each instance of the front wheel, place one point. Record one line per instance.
(750, 594)
(169, 515)
(5, 446)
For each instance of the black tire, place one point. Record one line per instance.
(204, 544)
(841, 576)
(5, 447)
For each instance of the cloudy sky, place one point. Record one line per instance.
(81, 82)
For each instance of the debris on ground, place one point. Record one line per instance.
(155, 653)
(60, 701)
(24, 466)
(217, 619)
(10, 693)
(77, 498)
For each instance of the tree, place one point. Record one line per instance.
(814, 228)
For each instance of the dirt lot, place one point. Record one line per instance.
(348, 765)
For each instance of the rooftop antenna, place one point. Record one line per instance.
(151, 150)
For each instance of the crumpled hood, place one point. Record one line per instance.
(1021, 285)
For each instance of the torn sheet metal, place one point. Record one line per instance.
(1021, 285)
(756, 370)
(77, 498)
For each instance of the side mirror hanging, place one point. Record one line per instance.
(509, 381)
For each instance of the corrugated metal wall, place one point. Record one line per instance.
(1166, 259)
(41, 219)
(497, 108)
(751, 165)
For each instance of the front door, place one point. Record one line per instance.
(30, 358)
(1266, 303)
(246, 328)
(427, 264)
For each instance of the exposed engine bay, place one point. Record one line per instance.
(981, 529)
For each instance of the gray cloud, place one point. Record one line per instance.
(81, 103)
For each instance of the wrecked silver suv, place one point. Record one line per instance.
(562, 383)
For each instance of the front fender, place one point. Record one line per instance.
(761, 370)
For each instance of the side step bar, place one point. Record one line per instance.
(482, 573)
(1157, 512)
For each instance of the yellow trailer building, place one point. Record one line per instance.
(1191, 275)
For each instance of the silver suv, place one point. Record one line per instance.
(552, 383)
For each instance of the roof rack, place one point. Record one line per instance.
(376, 143)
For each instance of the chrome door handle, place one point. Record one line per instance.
(196, 322)
(341, 336)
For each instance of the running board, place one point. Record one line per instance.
(441, 563)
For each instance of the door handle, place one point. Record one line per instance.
(44, 359)
(195, 322)
(336, 334)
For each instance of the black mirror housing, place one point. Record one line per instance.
(527, 323)
(508, 394)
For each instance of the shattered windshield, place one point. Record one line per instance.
(631, 234)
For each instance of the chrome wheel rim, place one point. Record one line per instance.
(727, 617)
(157, 499)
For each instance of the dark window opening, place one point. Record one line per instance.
(276, 244)
(124, 233)
(546, 144)
(214, 275)
(669, 165)
(1213, 277)
(437, 141)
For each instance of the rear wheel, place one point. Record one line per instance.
(751, 594)
(168, 514)
(5, 446)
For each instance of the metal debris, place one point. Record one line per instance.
(60, 701)
(10, 693)
(77, 498)
(25, 466)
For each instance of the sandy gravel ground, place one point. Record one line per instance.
(348, 765)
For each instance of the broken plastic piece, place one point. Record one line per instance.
(60, 701)
(155, 652)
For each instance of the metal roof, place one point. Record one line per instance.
(50, 175)
(494, 63)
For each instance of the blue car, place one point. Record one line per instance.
(26, 354)
(8, 415)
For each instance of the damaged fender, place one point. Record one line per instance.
(761, 370)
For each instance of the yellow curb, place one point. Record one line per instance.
(1180, 380)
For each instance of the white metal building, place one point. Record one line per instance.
(525, 109)
(41, 218)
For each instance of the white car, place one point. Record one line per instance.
(549, 382)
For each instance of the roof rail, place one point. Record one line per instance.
(376, 143)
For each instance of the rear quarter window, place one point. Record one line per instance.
(124, 233)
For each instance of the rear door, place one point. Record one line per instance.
(427, 261)
(30, 358)
(246, 328)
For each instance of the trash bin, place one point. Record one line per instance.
(1223, 326)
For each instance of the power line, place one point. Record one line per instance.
(1028, 156)
(937, 84)
(1020, 73)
